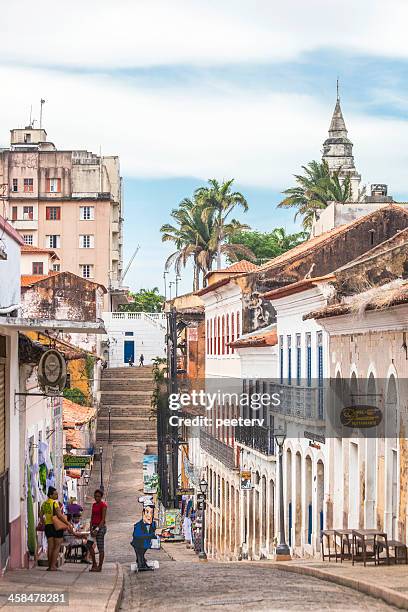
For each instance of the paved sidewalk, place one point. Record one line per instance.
(85, 591)
(389, 583)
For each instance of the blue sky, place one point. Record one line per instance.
(194, 89)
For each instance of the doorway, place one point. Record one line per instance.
(129, 351)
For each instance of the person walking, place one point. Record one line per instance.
(54, 525)
(130, 362)
(98, 530)
(141, 361)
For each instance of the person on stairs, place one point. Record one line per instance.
(141, 361)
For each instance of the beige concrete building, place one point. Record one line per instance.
(67, 201)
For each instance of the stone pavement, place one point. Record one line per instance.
(84, 591)
(389, 583)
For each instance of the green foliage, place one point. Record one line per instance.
(145, 300)
(314, 190)
(201, 230)
(75, 395)
(89, 367)
(267, 245)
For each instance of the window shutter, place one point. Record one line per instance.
(59, 185)
(58, 213)
(48, 185)
(48, 213)
(14, 213)
(91, 241)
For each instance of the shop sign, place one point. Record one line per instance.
(245, 478)
(185, 491)
(192, 333)
(361, 417)
(52, 372)
(314, 437)
(76, 462)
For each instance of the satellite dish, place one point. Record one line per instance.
(52, 373)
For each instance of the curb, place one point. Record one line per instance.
(115, 598)
(369, 588)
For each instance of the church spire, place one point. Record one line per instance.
(337, 127)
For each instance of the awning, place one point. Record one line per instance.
(77, 327)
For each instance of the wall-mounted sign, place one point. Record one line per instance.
(314, 437)
(192, 334)
(52, 373)
(76, 462)
(185, 491)
(361, 417)
(245, 478)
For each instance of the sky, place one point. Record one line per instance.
(187, 90)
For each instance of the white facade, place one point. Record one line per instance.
(131, 334)
(302, 363)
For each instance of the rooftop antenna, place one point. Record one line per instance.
(42, 102)
(337, 87)
(31, 112)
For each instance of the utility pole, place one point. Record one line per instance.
(173, 429)
(178, 278)
(171, 283)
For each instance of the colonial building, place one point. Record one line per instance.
(68, 201)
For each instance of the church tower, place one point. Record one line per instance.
(338, 150)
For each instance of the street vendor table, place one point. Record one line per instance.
(362, 538)
(342, 537)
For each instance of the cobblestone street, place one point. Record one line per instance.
(181, 585)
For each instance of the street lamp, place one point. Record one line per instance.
(101, 461)
(203, 489)
(282, 550)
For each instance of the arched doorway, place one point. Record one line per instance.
(370, 461)
(391, 459)
(319, 501)
(308, 500)
(289, 509)
(298, 495)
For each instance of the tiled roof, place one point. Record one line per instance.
(28, 248)
(312, 243)
(394, 293)
(74, 438)
(30, 279)
(266, 338)
(238, 267)
(293, 288)
(75, 414)
(220, 283)
(9, 229)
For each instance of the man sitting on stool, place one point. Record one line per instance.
(143, 533)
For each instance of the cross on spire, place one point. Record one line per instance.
(337, 87)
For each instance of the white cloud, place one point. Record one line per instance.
(126, 33)
(258, 137)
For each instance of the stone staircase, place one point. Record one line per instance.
(127, 393)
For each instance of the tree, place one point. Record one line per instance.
(145, 300)
(218, 201)
(266, 245)
(314, 190)
(196, 236)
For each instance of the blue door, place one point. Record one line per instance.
(129, 351)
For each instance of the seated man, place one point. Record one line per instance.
(143, 533)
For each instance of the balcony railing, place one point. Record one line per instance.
(220, 451)
(301, 403)
(257, 437)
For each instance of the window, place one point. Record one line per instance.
(319, 342)
(218, 336)
(53, 213)
(309, 359)
(38, 267)
(15, 185)
(233, 330)
(281, 359)
(208, 337)
(14, 213)
(53, 241)
(27, 137)
(28, 185)
(28, 213)
(56, 267)
(298, 359)
(86, 270)
(28, 238)
(87, 213)
(128, 333)
(54, 185)
(86, 241)
(227, 323)
(289, 340)
(223, 335)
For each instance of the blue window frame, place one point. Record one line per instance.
(319, 342)
(289, 339)
(298, 359)
(309, 359)
(281, 359)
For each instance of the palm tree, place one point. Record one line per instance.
(218, 201)
(314, 190)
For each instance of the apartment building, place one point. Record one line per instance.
(67, 201)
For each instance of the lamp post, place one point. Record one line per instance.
(178, 278)
(101, 461)
(203, 489)
(282, 550)
(109, 425)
